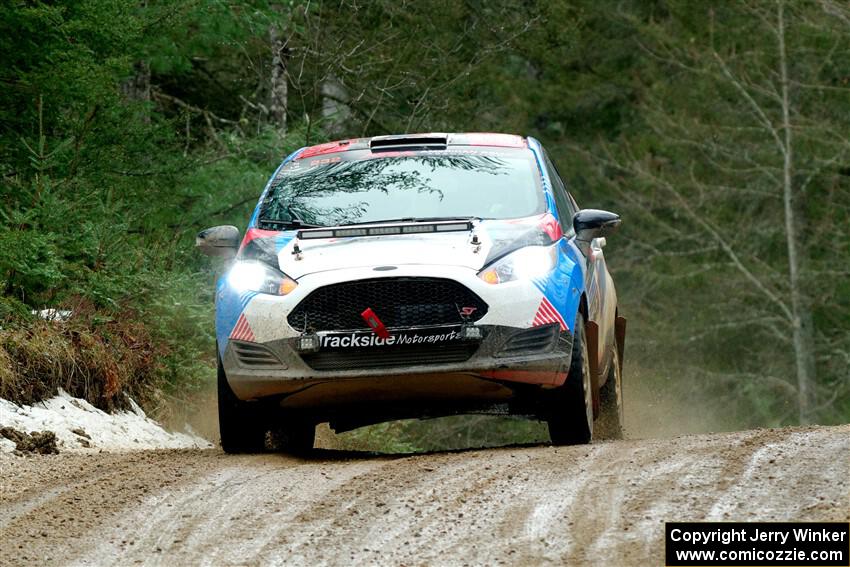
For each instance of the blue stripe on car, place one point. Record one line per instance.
(565, 285)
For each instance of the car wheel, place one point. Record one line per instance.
(570, 411)
(610, 423)
(242, 427)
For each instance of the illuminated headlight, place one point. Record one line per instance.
(526, 263)
(256, 276)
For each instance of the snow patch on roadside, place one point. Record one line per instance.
(79, 426)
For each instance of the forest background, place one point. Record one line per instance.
(719, 131)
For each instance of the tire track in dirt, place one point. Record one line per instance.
(55, 503)
(245, 503)
(809, 458)
(389, 510)
(598, 504)
(656, 481)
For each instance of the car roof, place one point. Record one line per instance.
(412, 142)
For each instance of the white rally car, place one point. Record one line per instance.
(416, 276)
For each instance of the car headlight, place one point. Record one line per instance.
(526, 263)
(256, 276)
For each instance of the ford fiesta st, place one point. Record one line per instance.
(416, 276)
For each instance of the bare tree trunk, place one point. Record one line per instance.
(279, 77)
(803, 333)
(335, 112)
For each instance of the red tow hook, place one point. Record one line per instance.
(374, 323)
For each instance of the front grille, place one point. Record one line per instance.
(398, 302)
(252, 354)
(538, 339)
(387, 357)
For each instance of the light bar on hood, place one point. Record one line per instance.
(384, 230)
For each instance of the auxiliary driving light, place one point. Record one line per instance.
(307, 343)
(471, 333)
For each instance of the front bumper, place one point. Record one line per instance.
(539, 356)
(264, 362)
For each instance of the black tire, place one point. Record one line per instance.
(610, 423)
(242, 427)
(570, 408)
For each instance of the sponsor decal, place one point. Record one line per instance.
(402, 338)
(325, 161)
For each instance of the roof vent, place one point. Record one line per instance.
(409, 143)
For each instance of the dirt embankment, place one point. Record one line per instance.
(599, 504)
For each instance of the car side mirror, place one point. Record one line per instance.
(593, 223)
(222, 241)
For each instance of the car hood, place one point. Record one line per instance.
(495, 239)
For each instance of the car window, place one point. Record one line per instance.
(359, 186)
(566, 207)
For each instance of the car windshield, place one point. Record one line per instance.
(359, 186)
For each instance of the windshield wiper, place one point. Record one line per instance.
(294, 223)
(412, 219)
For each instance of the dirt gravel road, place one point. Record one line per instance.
(603, 504)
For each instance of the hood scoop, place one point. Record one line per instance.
(409, 143)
